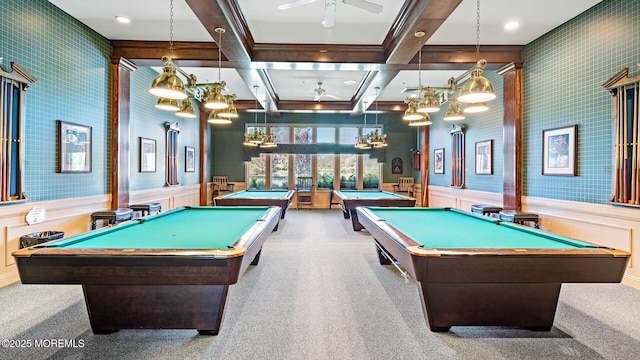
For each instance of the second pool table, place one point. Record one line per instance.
(475, 270)
(166, 271)
(351, 199)
(281, 198)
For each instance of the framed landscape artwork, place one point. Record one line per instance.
(559, 151)
(484, 157)
(147, 155)
(189, 159)
(438, 161)
(74, 148)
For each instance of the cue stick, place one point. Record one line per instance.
(7, 146)
(620, 157)
(388, 256)
(634, 159)
(636, 145)
(616, 120)
(625, 157)
(3, 113)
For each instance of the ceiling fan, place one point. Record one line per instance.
(321, 92)
(330, 8)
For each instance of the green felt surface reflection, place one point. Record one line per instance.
(441, 229)
(261, 194)
(364, 194)
(192, 228)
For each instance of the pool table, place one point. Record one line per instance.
(281, 198)
(479, 271)
(166, 271)
(351, 199)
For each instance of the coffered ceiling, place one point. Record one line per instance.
(282, 55)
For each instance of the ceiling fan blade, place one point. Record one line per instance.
(329, 14)
(289, 5)
(317, 97)
(364, 5)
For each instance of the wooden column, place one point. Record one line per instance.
(512, 135)
(121, 69)
(424, 167)
(204, 149)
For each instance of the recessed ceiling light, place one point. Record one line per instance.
(511, 25)
(122, 19)
(349, 82)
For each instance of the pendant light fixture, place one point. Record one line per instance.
(186, 110)
(169, 87)
(215, 99)
(230, 111)
(478, 88)
(362, 142)
(454, 113)
(376, 139)
(254, 138)
(476, 91)
(268, 138)
(167, 104)
(168, 84)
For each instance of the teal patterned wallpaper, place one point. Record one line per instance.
(73, 71)
(477, 127)
(71, 64)
(563, 75)
(149, 122)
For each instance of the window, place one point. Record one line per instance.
(326, 135)
(370, 173)
(326, 171)
(348, 166)
(257, 173)
(13, 86)
(279, 171)
(346, 171)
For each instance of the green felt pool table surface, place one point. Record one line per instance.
(192, 228)
(370, 194)
(258, 194)
(451, 228)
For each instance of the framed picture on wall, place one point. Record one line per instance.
(438, 161)
(189, 159)
(74, 153)
(147, 155)
(559, 151)
(484, 157)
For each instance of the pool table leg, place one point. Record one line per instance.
(354, 220)
(383, 255)
(345, 212)
(257, 258)
(530, 305)
(114, 307)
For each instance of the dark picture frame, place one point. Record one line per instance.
(74, 147)
(559, 151)
(484, 157)
(438, 161)
(189, 159)
(148, 156)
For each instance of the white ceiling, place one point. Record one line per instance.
(302, 25)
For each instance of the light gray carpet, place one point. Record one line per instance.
(320, 293)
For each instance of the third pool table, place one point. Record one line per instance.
(475, 270)
(351, 199)
(281, 198)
